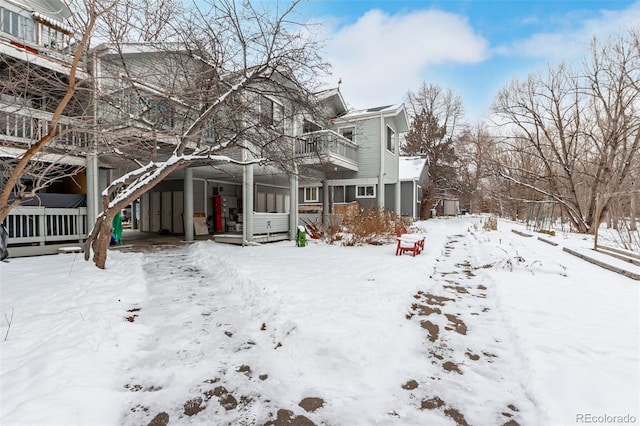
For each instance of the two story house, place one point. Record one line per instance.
(325, 156)
(360, 157)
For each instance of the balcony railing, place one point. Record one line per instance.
(329, 147)
(27, 125)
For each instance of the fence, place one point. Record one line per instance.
(41, 230)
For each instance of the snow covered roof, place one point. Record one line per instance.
(374, 111)
(140, 47)
(395, 110)
(410, 168)
(334, 96)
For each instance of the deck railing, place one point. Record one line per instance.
(326, 144)
(41, 228)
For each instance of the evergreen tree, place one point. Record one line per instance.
(428, 138)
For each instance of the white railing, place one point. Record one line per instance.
(270, 223)
(43, 226)
(326, 143)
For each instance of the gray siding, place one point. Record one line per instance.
(406, 202)
(169, 185)
(351, 193)
(199, 197)
(367, 202)
(368, 140)
(391, 159)
(390, 197)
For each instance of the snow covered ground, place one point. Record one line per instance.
(483, 328)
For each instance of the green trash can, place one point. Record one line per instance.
(116, 225)
(301, 237)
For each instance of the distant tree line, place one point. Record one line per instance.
(569, 135)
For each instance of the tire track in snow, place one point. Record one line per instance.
(478, 374)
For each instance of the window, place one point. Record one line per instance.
(29, 29)
(271, 113)
(349, 133)
(266, 111)
(311, 195)
(14, 24)
(18, 25)
(6, 20)
(391, 140)
(366, 191)
(308, 127)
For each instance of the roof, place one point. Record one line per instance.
(139, 47)
(333, 97)
(396, 110)
(411, 168)
(374, 111)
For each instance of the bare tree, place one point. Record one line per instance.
(442, 104)
(53, 102)
(572, 136)
(204, 95)
(475, 151)
(141, 21)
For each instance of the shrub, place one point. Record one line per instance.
(367, 226)
(491, 224)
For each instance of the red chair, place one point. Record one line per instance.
(408, 246)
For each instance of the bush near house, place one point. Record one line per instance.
(366, 226)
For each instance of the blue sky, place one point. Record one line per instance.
(382, 49)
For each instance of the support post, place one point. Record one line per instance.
(293, 205)
(93, 197)
(325, 203)
(188, 204)
(247, 203)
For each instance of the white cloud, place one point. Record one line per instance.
(571, 40)
(381, 56)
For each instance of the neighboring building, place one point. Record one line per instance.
(35, 63)
(413, 174)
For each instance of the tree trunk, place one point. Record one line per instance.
(98, 241)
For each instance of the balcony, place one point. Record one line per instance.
(22, 126)
(327, 148)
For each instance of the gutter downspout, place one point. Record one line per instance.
(381, 172)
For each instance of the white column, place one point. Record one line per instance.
(94, 201)
(293, 205)
(325, 202)
(94, 205)
(188, 204)
(247, 203)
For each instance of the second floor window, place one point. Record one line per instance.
(18, 25)
(391, 140)
(271, 113)
(349, 133)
